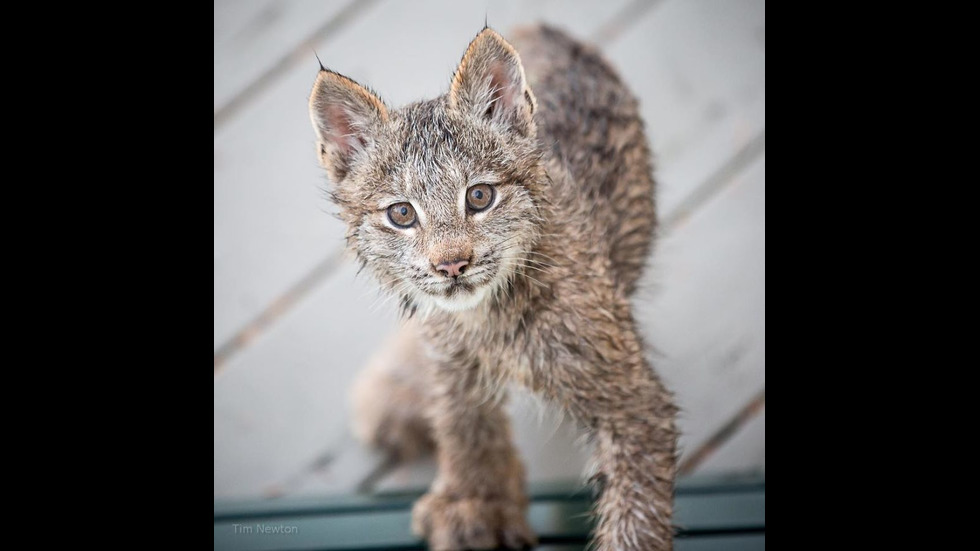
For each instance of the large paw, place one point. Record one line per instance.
(471, 523)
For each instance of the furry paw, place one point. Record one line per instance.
(471, 523)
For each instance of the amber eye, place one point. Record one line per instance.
(479, 197)
(402, 215)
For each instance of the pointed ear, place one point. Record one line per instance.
(345, 118)
(489, 83)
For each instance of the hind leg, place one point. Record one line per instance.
(388, 399)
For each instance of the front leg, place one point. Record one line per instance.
(606, 382)
(635, 456)
(477, 500)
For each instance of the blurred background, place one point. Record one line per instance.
(292, 324)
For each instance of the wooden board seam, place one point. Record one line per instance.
(305, 48)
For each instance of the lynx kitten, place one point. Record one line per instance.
(512, 218)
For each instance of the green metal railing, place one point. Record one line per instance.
(710, 513)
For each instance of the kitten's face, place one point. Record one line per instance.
(445, 206)
(440, 196)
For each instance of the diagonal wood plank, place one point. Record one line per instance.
(698, 67)
(233, 19)
(704, 309)
(745, 451)
(252, 36)
(280, 405)
(270, 226)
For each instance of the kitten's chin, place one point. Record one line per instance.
(460, 302)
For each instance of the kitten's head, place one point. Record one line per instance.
(440, 197)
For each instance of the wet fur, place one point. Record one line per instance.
(557, 257)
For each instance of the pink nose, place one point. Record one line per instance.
(452, 269)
